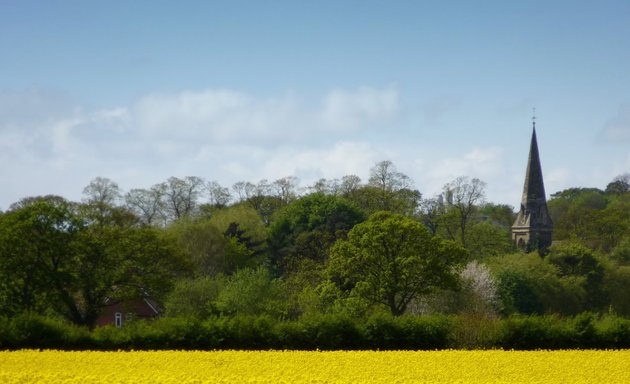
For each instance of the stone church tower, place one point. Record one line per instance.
(533, 226)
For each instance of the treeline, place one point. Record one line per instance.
(339, 248)
(324, 332)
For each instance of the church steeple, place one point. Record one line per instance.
(533, 226)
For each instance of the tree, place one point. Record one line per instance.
(619, 185)
(117, 263)
(480, 290)
(578, 262)
(499, 214)
(181, 196)
(612, 224)
(621, 253)
(53, 261)
(194, 297)
(286, 188)
(523, 283)
(486, 239)
(243, 190)
(308, 227)
(391, 259)
(259, 196)
(529, 284)
(36, 253)
(203, 244)
(103, 191)
(386, 177)
(387, 190)
(327, 187)
(251, 292)
(244, 224)
(349, 184)
(462, 197)
(147, 205)
(578, 212)
(100, 203)
(431, 212)
(618, 285)
(219, 196)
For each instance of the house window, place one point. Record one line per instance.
(128, 316)
(118, 319)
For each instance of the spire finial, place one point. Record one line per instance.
(534, 118)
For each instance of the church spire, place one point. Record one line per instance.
(534, 188)
(533, 226)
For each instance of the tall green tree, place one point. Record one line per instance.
(307, 228)
(208, 249)
(596, 219)
(391, 259)
(36, 255)
(251, 292)
(577, 262)
(243, 223)
(53, 260)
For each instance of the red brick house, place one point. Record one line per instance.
(121, 311)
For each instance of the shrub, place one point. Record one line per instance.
(30, 330)
(536, 332)
(475, 331)
(614, 332)
(248, 332)
(326, 332)
(383, 331)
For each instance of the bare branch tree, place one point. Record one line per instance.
(325, 186)
(349, 184)
(286, 188)
(619, 185)
(147, 204)
(103, 191)
(219, 196)
(243, 190)
(386, 177)
(464, 196)
(180, 196)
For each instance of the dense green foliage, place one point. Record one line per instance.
(54, 260)
(391, 260)
(275, 266)
(323, 332)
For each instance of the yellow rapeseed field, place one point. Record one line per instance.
(315, 367)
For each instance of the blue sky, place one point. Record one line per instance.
(245, 90)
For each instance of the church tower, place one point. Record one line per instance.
(533, 226)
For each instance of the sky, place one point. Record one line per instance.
(140, 91)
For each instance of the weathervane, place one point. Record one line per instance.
(534, 117)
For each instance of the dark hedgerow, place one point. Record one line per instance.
(323, 332)
(384, 331)
(30, 330)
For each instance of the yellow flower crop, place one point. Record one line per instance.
(315, 367)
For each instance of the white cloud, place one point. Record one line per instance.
(52, 146)
(310, 164)
(218, 134)
(431, 170)
(349, 110)
(224, 116)
(480, 163)
(190, 114)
